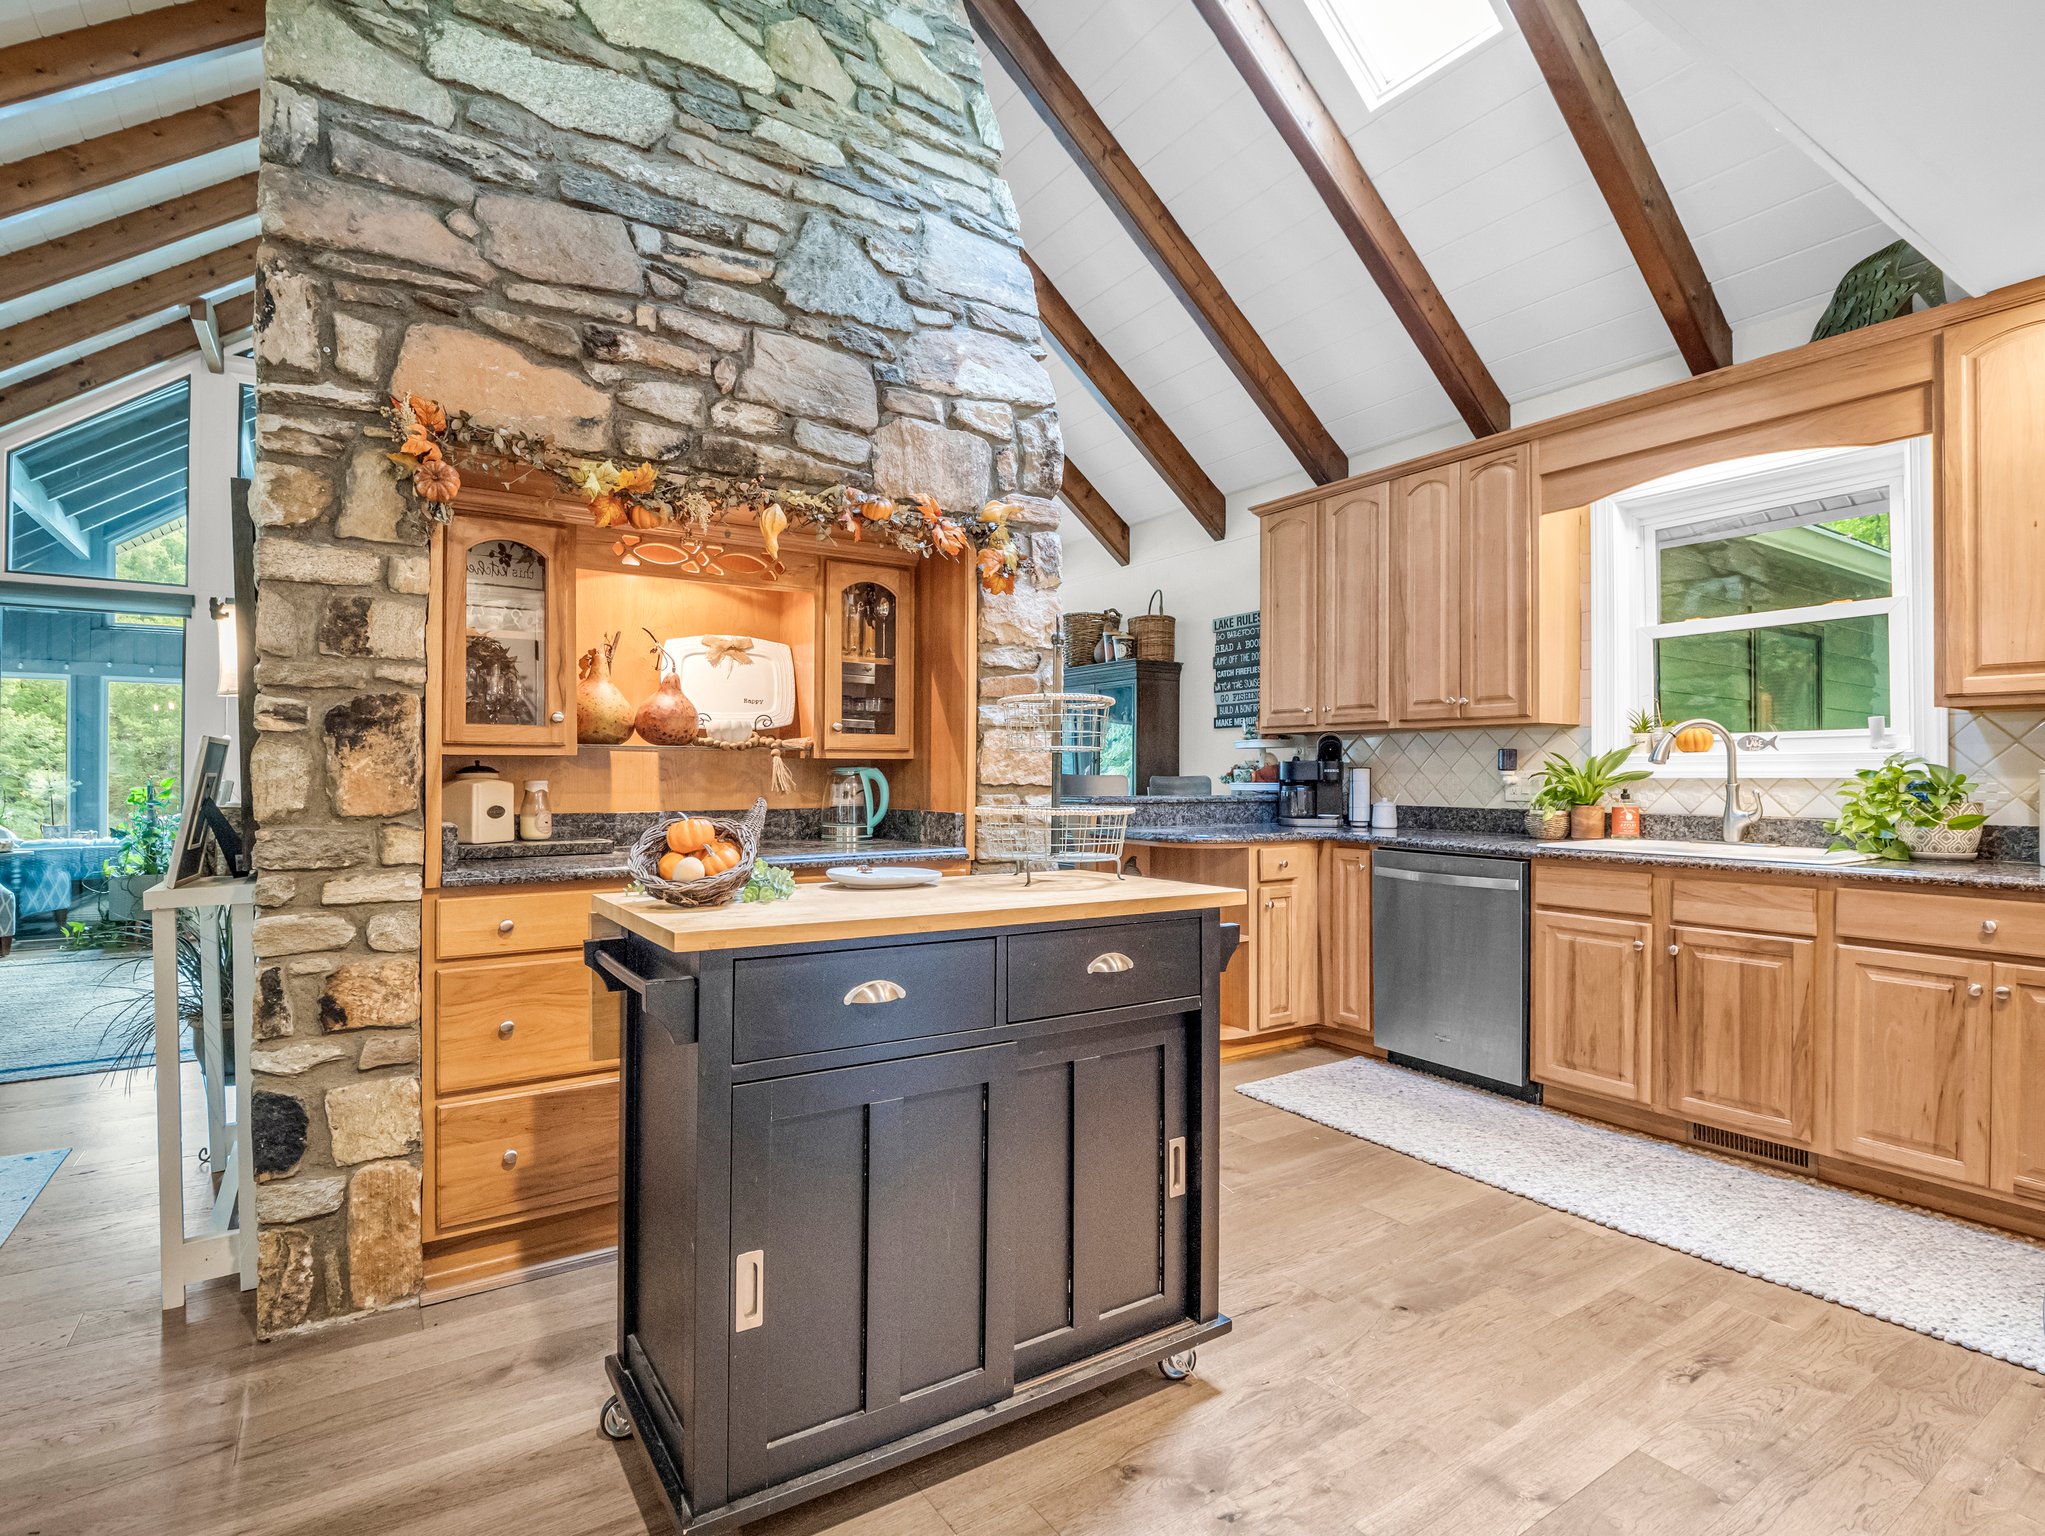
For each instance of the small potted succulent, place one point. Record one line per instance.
(1645, 725)
(1583, 787)
(1909, 809)
(1548, 815)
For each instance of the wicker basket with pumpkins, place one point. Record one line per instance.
(698, 861)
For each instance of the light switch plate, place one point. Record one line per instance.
(1519, 790)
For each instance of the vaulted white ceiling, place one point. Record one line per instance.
(1486, 183)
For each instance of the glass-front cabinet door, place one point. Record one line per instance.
(507, 631)
(868, 648)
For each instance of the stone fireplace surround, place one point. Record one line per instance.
(743, 235)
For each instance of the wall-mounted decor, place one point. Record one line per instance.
(1235, 671)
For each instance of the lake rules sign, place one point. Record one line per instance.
(1235, 671)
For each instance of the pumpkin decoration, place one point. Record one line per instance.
(667, 718)
(436, 481)
(692, 834)
(681, 866)
(603, 715)
(1695, 739)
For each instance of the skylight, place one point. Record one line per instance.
(1390, 45)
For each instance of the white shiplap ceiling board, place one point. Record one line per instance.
(55, 122)
(43, 300)
(165, 184)
(21, 20)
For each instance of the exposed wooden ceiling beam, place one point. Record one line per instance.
(1602, 124)
(69, 256)
(1156, 441)
(1029, 60)
(109, 311)
(60, 173)
(165, 344)
(85, 56)
(1092, 508)
(1269, 67)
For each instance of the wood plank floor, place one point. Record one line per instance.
(1414, 1353)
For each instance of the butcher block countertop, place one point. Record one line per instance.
(818, 914)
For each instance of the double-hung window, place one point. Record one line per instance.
(1785, 597)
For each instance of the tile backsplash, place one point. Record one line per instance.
(2003, 751)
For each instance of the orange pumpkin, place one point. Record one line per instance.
(436, 481)
(667, 864)
(691, 834)
(1695, 739)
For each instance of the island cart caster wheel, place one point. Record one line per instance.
(615, 1421)
(1179, 1367)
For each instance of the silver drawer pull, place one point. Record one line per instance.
(749, 1292)
(1988, 929)
(1113, 960)
(511, 1157)
(504, 1030)
(505, 926)
(875, 992)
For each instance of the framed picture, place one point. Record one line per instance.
(202, 821)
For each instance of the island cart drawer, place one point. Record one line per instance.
(1079, 970)
(791, 1005)
(507, 923)
(496, 1024)
(1919, 920)
(526, 1151)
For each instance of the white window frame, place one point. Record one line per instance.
(1625, 581)
(1370, 82)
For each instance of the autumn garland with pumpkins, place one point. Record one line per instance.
(654, 497)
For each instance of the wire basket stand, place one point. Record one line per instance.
(1045, 838)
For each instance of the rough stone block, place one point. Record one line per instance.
(827, 272)
(301, 933)
(374, 754)
(797, 51)
(307, 41)
(288, 319)
(372, 506)
(394, 932)
(310, 847)
(280, 775)
(288, 496)
(990, 418)
(806, 379)
(913, 457)
(371, 994)
(332, 215)
(281, 559)
(300, 1199)
(376, 1119)
(830, 443)
(538, 238)
(687, 30)
(906, 64)
(573, 96)
(388, 1050)
(363, 890)
(278, 1123)
(283, 1279)
(272, 1010)
(383, 1234)
(968, 362)
(671, 402)
(365, 159)
(291, 1060)
(501, 387)
(400, 844)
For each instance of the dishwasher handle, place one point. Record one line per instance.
(1463, 882)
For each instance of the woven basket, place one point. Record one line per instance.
(1156, 634)
(1082, 634)
(711, 890)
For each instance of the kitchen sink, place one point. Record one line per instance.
(1744, 853)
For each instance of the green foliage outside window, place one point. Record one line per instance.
(33, 786)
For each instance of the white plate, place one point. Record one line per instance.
(881, 877)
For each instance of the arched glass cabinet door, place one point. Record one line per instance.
(869, 650)
(507, 622)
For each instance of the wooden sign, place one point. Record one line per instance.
(1235, 671)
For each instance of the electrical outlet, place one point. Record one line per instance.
(1519, 790)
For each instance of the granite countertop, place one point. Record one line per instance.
(1977, 875)
(609, 864)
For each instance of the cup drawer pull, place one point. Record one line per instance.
(1104, 965)
(875, 992)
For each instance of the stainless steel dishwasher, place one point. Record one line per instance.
(1448, 941)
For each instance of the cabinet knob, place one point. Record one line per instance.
(1988, 928)
(1285, 863)
(837, 725)
(1639, 945)
(511, 1157)
(1464, 699)
(1269, 904)
(557, 716)
(1674, 948)
(504, 1030)
(1974, 989)
(1448, 698)
(2002, 994)
(505, 926)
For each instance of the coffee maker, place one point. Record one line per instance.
(1310, 789)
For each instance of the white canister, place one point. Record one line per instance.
(1384, 817)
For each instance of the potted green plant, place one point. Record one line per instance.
(142, 856)
(1583, 787)
(1909, 808)
(1645, 724)
(1548, 815)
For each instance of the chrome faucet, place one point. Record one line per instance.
(1742, 806)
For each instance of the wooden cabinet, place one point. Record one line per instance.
(1427, 602)
(1591, 1021)
(527, 1152)
(867, 652)
(1500, 587)
(1289, 635)
(1345, 939)
(507, 635)
(1099, 1245)
(1991, 640)
(1355, 637)
(1910, 1062)
(1286, 947)
(2017, 1034)
(1738, 1051)
(865, 1205)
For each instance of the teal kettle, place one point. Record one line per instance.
(858, 800)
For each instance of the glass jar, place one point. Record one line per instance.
(535, 813)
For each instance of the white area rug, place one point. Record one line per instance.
(1939, 1277)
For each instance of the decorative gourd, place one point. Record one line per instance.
(603, 715)
(1694, 739)
(667, 718)
(692, 834)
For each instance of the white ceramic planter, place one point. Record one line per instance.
(1943, 842)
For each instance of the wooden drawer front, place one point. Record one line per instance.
(1593, 890)
(1080, 970)
(1286, 861)
(788, 1005)
(494, 1025)
(1750, 906)
(1925, 921)
(565, 1141)
(504, 923)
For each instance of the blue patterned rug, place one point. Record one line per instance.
(59, 1012)
(22, 1178)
